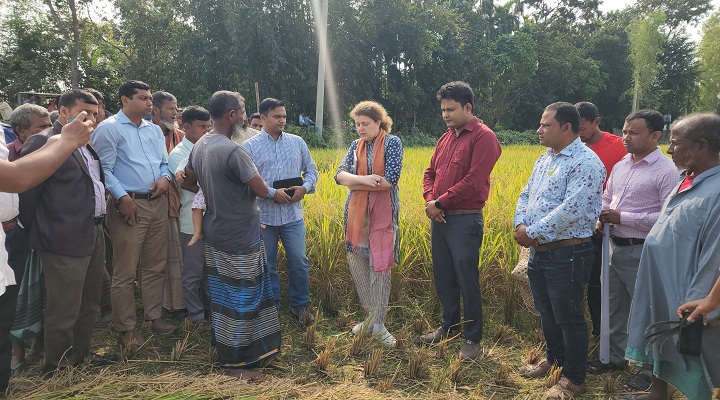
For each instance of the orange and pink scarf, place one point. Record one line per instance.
(378, 234)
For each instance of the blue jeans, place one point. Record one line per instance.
(292, 236)
(557, 281)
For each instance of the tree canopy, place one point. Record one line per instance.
(518, 56)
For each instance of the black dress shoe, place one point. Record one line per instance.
(97, 359)
(597, 367)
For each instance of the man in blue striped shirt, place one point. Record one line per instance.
(279, 155)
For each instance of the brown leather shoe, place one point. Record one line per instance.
(162, 327)
(535, 370)
(132, 339)
(565, 389)
(469, 350)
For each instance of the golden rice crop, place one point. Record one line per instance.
(325, 240)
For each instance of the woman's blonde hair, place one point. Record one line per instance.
(374, 111)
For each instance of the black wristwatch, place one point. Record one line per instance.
(438, 204)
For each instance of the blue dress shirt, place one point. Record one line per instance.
(133, 157)
(563, 197)
(286, 158)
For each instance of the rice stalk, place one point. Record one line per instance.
(456, 370)
(416, 363)
(537, 337)
(310, 336)
(441, 349)
(534, 355)
(502, 376)
(372, 363)
(502, 334)
(180, 347)
(609, 384)
(553, 376)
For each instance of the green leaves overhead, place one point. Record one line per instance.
(518, 56)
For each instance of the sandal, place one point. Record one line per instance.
(535, 370)
(640, 382)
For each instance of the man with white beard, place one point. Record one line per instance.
(164, 111)
(246, 329)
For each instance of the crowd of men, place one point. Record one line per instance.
(141, 173)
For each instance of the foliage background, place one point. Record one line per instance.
(518, 56)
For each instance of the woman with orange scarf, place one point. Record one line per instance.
(371, 170)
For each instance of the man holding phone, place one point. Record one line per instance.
(135, 162)
(284, 162)
(71, 200)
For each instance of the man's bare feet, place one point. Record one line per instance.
(242, 373)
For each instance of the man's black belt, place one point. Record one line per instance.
(620, 241)
(140, 196)
(99, 220)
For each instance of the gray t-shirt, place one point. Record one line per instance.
(232, 217)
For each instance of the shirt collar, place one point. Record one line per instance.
(470, 126)
(16, 144)
(570, 149)
(186, 143)
(268, 136)
(649, 159)
(699, 178)
(123, 119)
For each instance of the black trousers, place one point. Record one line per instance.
(16, 244)
(455, 249)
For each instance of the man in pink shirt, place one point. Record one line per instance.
(636, 190)
(609, 148)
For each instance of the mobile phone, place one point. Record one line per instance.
(71, 119)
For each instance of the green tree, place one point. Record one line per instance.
(646, 44)
(709, 53)
(34, 57)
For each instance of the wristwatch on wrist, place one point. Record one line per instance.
(168, 178)
(438, 204)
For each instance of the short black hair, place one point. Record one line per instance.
(194, 113)
(223, 101)
(253, 116)
(458, 91)
(588, 111)
(128, 88)
(701, 126)
(159, 98)
(99, 96)
(653, 119)
(566, 113)
(72, 96)
(270, 104)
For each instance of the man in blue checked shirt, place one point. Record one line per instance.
(278, 156)
(555, 216)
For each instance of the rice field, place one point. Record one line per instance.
(412, 284)
(325, 361)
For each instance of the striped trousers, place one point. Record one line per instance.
(373, 288)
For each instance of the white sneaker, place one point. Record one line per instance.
(357, 328)
(384, 336)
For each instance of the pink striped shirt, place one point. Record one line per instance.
(638, 190)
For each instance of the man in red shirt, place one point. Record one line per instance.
(455, 187)
(609, 148)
